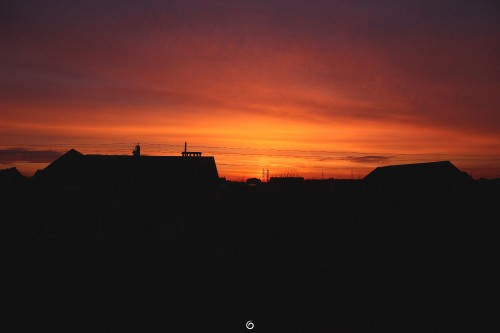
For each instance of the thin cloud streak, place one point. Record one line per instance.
(10, 156)
(373, 159)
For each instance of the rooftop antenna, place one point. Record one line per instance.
(267, 178)
(263, 174)
(190, 153)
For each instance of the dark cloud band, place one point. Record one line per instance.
(13, 155)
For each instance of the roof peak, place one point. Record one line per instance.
(416, 164)
(72, 152)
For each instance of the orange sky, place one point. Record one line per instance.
(321, 89)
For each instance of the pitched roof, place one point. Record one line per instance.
(418, 174)
(74, 168)
(10, 175)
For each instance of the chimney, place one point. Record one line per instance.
(137, 151)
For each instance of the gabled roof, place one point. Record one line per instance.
(64, 159)
(10, 175)
(418, 174)
(76, 169)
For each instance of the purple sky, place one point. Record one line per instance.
(293, 86)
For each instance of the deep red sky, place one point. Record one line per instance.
(310, 88)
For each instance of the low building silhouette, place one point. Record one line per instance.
(92, 219)
(11, 175)
(432, 175)
(286, 181)
(253, 181)
(165, 173)
(97, 201)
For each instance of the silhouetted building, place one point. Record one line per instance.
(165, 173)
(287, 180)
(435, 175)
(11, 176)
(12, 182)
(79, 201)
(253, 181)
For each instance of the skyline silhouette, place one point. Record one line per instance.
(362, 162)
(406, 248)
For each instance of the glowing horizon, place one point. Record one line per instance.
(314, 89)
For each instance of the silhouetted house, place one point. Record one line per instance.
(410, 200)
(11, 177)
(253, 181)
(12, 183)
(287, 180)
(135, 195)
(441, 175)
(80, 200)
(137, 172)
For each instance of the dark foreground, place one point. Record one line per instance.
(316, 256)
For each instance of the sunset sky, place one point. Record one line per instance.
(309, 88)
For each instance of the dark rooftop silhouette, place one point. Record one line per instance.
(417, 175)
(77, 169)
(128, 228)
(10, 175)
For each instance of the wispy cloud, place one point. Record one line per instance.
(368, 159)
(395, 77)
